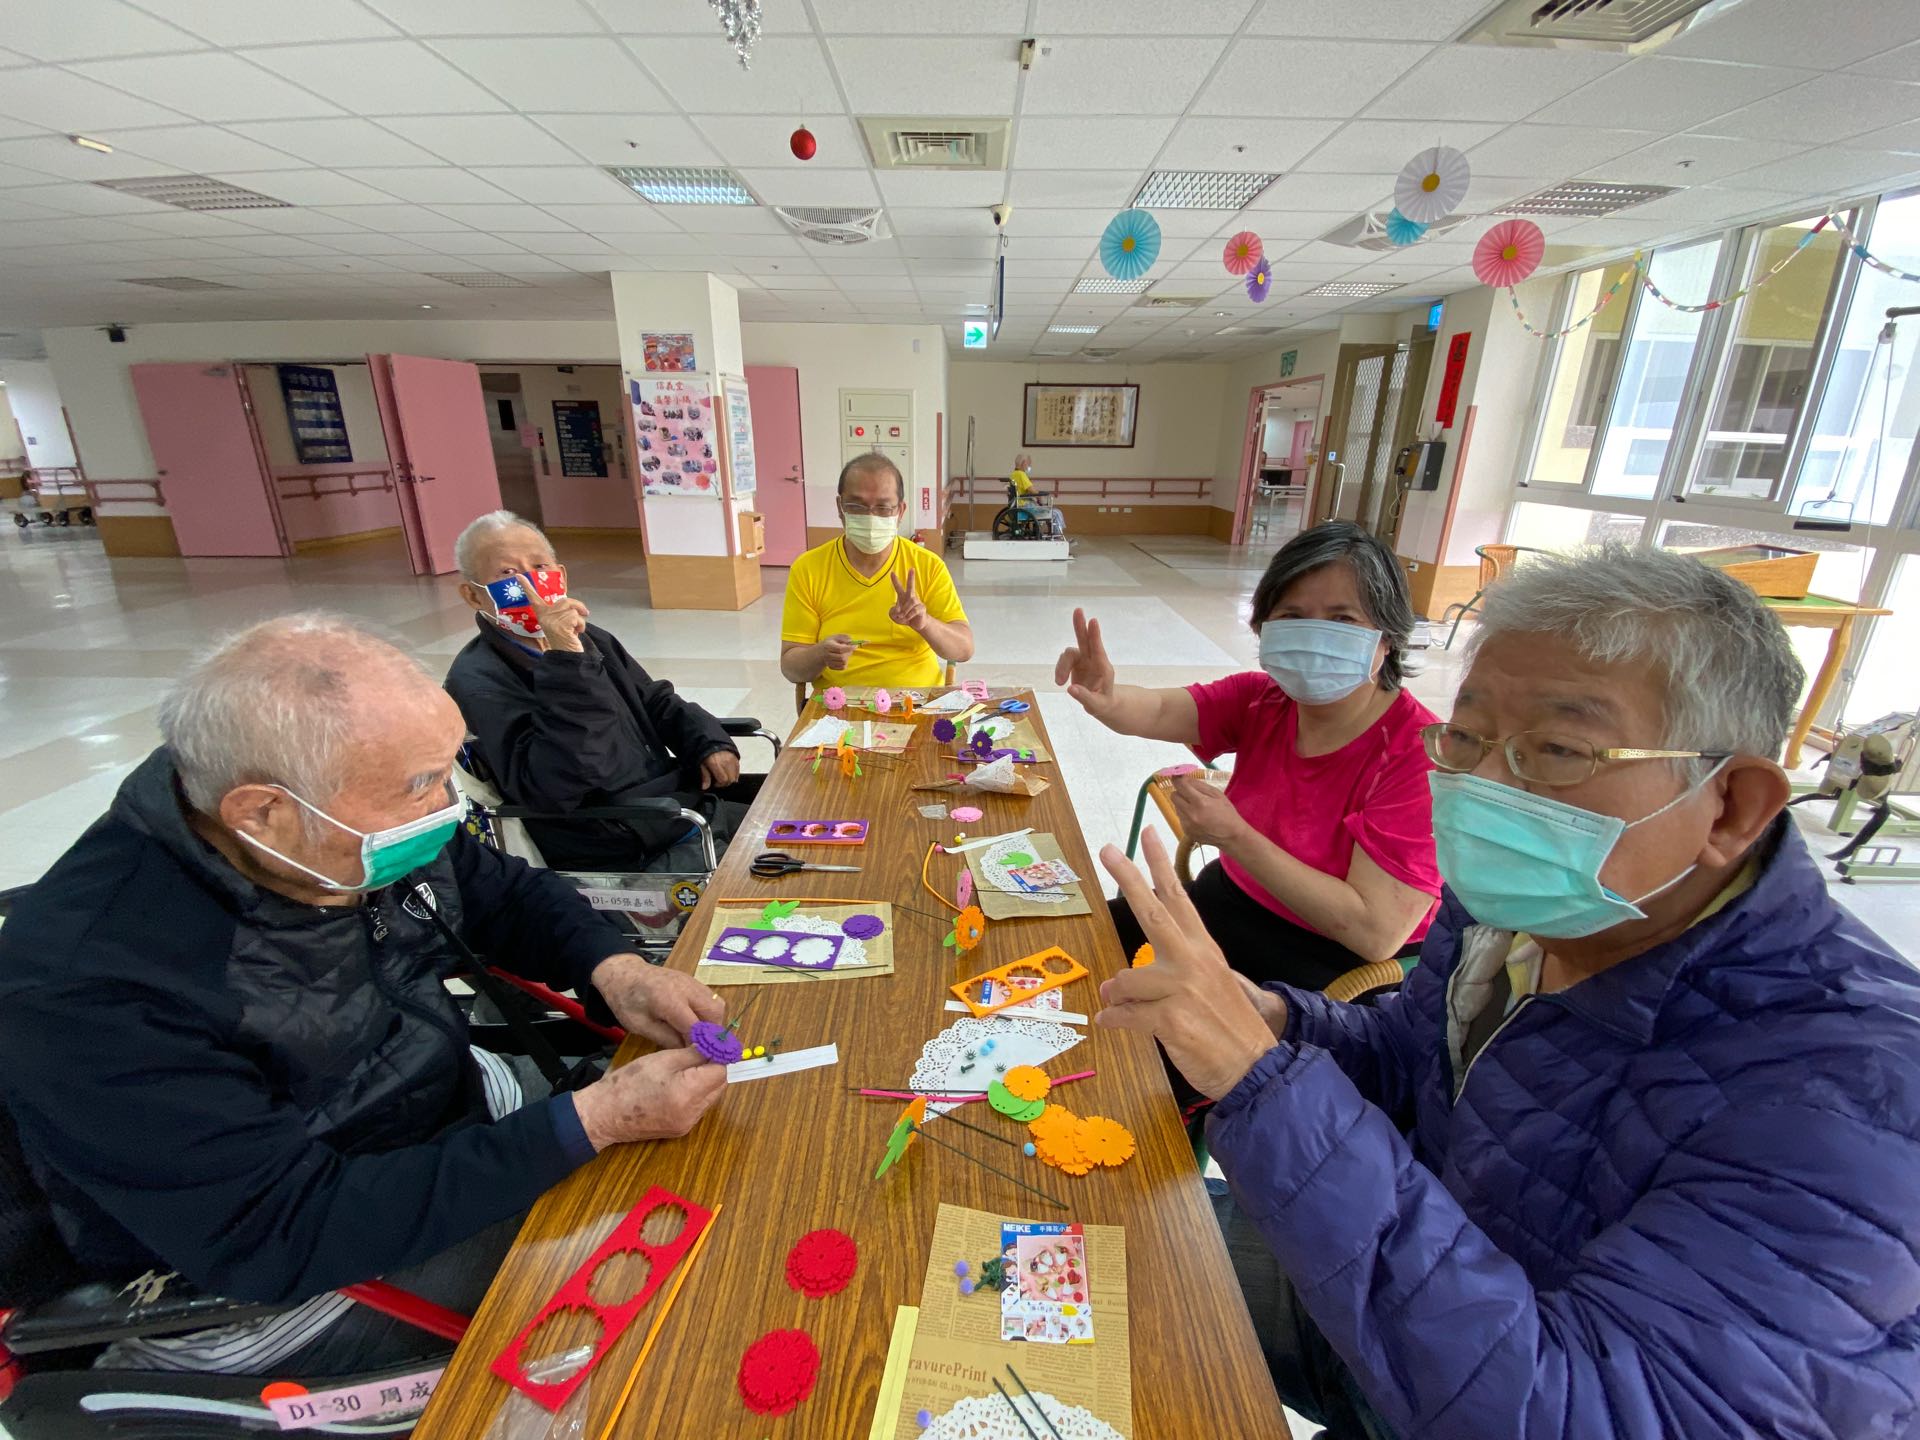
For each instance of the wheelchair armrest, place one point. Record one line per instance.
(97, 1313)
(740, 726)
(627, 810)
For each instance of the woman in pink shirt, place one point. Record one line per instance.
(1325, 832)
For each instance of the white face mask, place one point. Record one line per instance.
(872, 533)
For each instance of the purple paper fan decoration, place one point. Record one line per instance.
(716, 1042)
(863, 927)
(1259, 282)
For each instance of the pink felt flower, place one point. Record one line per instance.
(1508, 253)
(833, 697)
(1243, 252)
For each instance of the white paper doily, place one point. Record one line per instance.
(1017, 1041)
(994, 867)
(988, 1417)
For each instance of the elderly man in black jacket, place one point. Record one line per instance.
(226, 1042)
(567, 719)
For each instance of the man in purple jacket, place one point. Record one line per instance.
(1635, 1151)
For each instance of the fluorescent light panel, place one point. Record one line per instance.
(1583, 199)
(1201, 189)
(1073, 329)
(683, 184)
(479, 280)
(1353, 289)
(193, 192)
(1107, 285)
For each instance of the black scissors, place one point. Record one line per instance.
(771, 864)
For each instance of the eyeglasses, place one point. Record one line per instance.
(885, 510)
(1538, 757)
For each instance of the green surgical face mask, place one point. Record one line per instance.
(385, 855)
(872, 533)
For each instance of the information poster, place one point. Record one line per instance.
(740, 435)
(313, 414)
(1090, 415)
(576, 426)
(667, 354)
(673, 423)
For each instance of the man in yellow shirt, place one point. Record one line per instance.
(871, 607)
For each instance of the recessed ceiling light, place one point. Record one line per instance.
(1583, 198)
(683, 184)
(426, 307)
(1073, 329)
(1201, 189)
(479, 280)
(1107, 285)
(87, 142)
(179, 282)
(1353, 289)
(193, 192)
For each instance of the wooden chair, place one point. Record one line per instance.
(801, 694)
(1495, 561)
(1159, 788)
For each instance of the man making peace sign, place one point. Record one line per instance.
(842, 625)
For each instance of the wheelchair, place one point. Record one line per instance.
(1021, 517)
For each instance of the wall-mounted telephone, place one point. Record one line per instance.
(1418, 465)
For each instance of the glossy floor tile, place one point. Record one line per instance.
(94, 641)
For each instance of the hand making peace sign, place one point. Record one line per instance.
(1084, 668)
(907, 609)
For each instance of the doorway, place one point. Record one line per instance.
(510, 429)
(561, 447)
(1367, 386)
(1278, 461)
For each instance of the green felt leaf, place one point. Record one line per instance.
(1017, 859)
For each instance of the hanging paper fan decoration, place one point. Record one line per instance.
(1432, 185)
(1402, 231)
(1243, 252)
(1259, 282)
(1508, 253)
(1131, 244)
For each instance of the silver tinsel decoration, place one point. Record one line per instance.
(740, 19)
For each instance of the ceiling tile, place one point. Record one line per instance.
(390, 219)
(307, 187)
(1482, 82)
(926, 77)
(713, 219)
(1325, 78)
(1087, 224)
(278, 245)
(429, 184)
(56, 156)
(1112, 188)
(209, 86)
(1900, 64)
(1324, 192)
(1785, 32)
(618, 218)
(199, 149)
(339, 143)
(935, 187)
(1830, 171)
(651, 18)
(1377, 145)
(1552, 149)
(1708, 157)
(1046, 247)
(86, 29)
(66, 102)
(379, 77)
(556, 184)
(1157, 76)
(922, 17)
(80, 199)
(563, 242)
(1112, 142)
(495, 17)
(1238, 143)
(1895, 137)
(949, 246)
(789, 76)
(463, 242)
(812, 187)
(1138, 17)
(625, 139)
(301, 222)
(1662, 93)
(13, 208)
(249, 22)
(1366, 19)
(911, 220)
(69, 230)
(501, 218)
(1833, 107)
(754, 246)
(557, 74)
(483, 139)
(762, 143)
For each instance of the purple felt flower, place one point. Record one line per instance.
(862, 927)
(716, 1042)
(943, 731)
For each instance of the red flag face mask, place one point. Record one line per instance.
(511, 612)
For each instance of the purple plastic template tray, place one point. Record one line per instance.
(787, 948)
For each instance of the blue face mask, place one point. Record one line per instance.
(1318, 661)
(1520, 861)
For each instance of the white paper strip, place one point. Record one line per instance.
(1032, 1012)
(785, 1063)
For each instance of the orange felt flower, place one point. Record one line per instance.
(969, 928)
(1027, 1082)
(1105, 1142)
(1143, 956)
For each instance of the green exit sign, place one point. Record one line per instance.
(973, 335)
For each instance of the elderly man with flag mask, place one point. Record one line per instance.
(566, 719)
(1632, 1154)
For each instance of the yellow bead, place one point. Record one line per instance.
(758, 1051)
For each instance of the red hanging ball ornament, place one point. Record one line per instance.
(802, 143)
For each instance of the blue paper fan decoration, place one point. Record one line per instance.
(1401, 230)
(1130, 245)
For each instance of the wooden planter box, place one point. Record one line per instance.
(1767, 570)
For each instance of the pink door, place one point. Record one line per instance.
(435, 420)
(208, 458)
(774, 393)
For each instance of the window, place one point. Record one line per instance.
(1584, 367)
(1659, 353)
(1857, 455)
(1562, 527)
(1766, 376)
(1884, 681)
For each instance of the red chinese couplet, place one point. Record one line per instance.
(1450, 382)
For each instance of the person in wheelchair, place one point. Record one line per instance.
(566, 719)
(228, 1054)
(1325, 831)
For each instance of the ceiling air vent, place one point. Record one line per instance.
(1368, 231)
(920, 142)
(827, 225)
(1173, 302)
(1632, 26)
(193, 192)
(179, 282)
(1583, 199)
(479, 280)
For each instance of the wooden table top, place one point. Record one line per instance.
(796, 1152)
(1818, 610)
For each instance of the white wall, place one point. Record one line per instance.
(34, 394)
(11, 446)
(1179, 419)
(832, 358)
(1318, 352)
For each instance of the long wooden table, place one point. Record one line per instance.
(793, 1153)
(1819, 612)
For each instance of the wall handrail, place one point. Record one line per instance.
(311, 476)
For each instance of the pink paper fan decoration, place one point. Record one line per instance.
(1258, 283)
(1508, 253)
(1243, 253)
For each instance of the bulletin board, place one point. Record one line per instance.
(314, 416)
(1093, 416)
(739, 434)
(673, 424)
(576, 427)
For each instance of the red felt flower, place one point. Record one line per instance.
(778, 1371)
(822, 1262)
